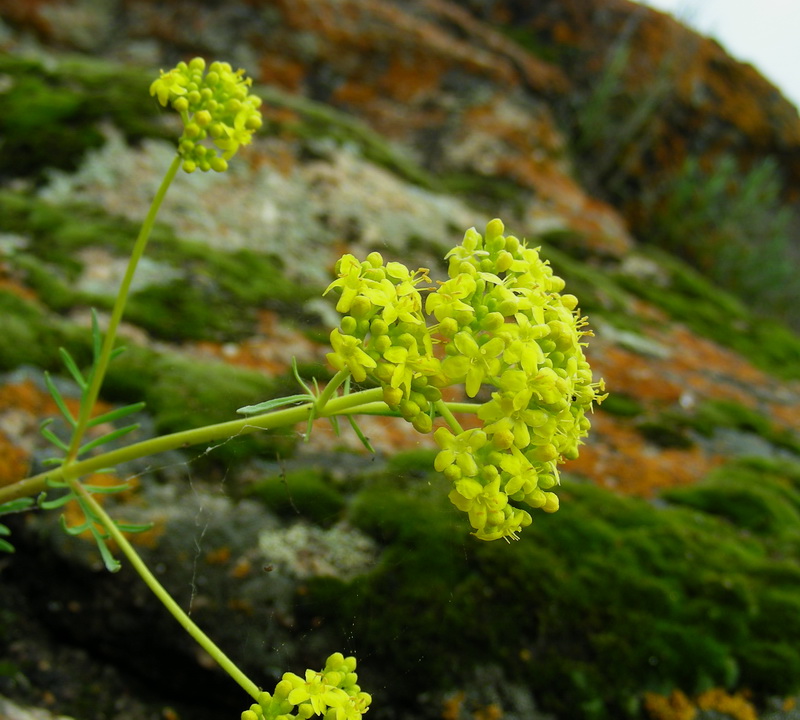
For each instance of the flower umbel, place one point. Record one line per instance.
(507, 332)
(219, 114)
(332, 693)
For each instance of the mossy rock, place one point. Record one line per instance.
(52, 112)
(621, 405)
(758, 499)
(182, 393)
(609, 597)
(307, 493)
(713, 313)
(215, 297)
(32, 337)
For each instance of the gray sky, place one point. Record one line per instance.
(765, 33)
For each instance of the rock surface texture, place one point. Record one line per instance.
(669, 580)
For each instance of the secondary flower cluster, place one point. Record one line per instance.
(506, 331)
(216, 107)
(332, 693)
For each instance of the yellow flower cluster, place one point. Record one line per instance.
(506, 330)
(216, 107)
(332, 693)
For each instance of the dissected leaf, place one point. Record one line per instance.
(113, 415)
(73, 368)
(108, 437)
(59, 400)
(273, 404)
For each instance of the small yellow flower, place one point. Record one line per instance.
(347, 353)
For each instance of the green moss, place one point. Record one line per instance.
(318, 121)
(185, 309)
(183, 393)
(621, 405)
(215, 297)
(758, 499)
(305, 493)
(492, 194)
(410, 464)
(52, 113)
(609, 597)
(31, 337)
(715, 314)
(674, 427)
(601, 296)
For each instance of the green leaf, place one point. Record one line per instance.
(334, 421)
(107, 489)
(364, 441)
(297, 377)
(97, 337)
(53, 461)
(75, 529)
(14, 506)
(112, 565)
(58, 502)
(4, 530)
(133, 528)
(73, 368)
(113, 415)
(56, 394)
(6, 546)
(52, 437)
(273, 404)
(108, 437)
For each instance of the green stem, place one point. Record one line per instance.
(331, 388)
(268, 421)
(99, 370)
(166, 599)
(444, 411)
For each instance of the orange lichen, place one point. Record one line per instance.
(674, 707)
(241, 569)
(677, 706)
(488, 712)
(616, 456)
(736, 706)
(451, 708)
(220, 556)
(13, 462)
(274, 69)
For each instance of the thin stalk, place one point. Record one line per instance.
(268, 421)
(166, 599)
(443, 410)
(331, 388)
(99, 371)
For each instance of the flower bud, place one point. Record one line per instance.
(422, 423)
(494, 228)
(551, 502)
(392, 396)
(375, 259)
(381, 343)
(379, 327)
(432, 394)
(348, 325)
(409, 409)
